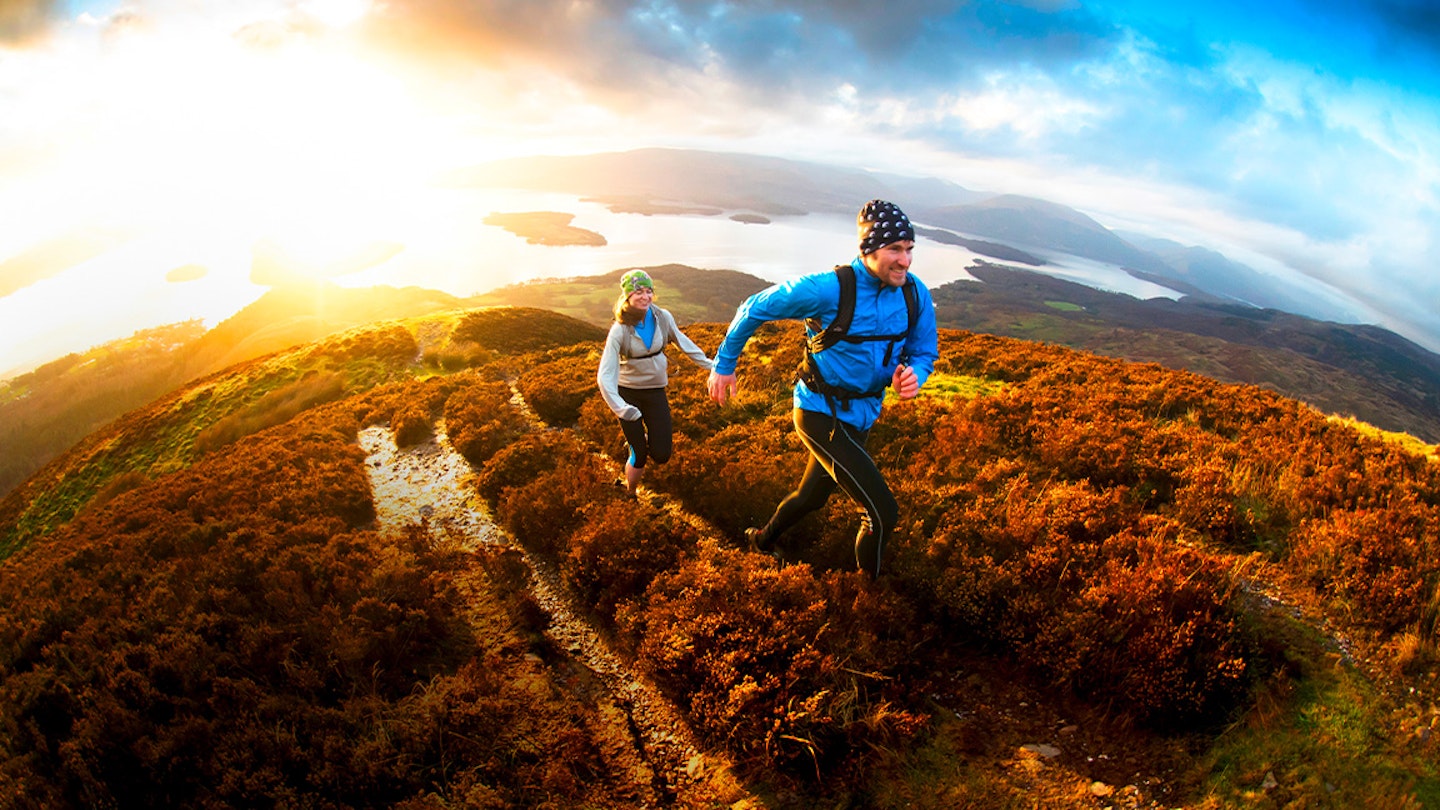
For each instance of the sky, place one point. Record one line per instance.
(1300, 137)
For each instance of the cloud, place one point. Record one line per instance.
(1308, 117)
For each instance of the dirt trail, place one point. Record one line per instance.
(643, 734)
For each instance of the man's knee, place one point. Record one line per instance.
(889, 512)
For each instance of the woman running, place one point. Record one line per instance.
(633, 372)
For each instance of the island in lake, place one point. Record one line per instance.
(546, 228)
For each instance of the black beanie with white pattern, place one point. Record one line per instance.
(881, 223)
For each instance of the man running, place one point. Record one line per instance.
(889, 339)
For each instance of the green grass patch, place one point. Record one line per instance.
(949, 386)
(1404, 440)
(1064, 306)
(1322, 738)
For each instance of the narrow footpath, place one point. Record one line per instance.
(645, 737)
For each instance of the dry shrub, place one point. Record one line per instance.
(619, 550)
(1089, 593)
(736, 477)
(412, 424)
(1152, 631)
(1378, 566)
(417, 405)
(1414, 653)
(392, 343)
(526, 460)
(1205, 502)
(273, 408)
(515, 330)
(543, 512)
(457, 357)
(749, 651)
(116, 486)
(597, 424)
(481, 421)
(557, 386)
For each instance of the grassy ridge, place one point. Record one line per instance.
(1227, 594)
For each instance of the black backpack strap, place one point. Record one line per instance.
(659, 329)
(823, 338)
(912, 311)
(839, 329)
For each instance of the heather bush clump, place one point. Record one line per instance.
(1379, 566)
(518, 330)
(1154, 630)
(411, 424)
(765, 457)
(749, 652)
(393, 344)
(526, 459)
(619, 550)
(558, 383)
(544, 510)
(481, 421)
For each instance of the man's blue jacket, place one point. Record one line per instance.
(879, 310)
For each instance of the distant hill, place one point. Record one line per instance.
(766, 185)
(1029, 222)
(47, 410)
(688, 293)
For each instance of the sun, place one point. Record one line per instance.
(302, 140)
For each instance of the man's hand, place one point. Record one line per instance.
(721, 386)
(905, 383)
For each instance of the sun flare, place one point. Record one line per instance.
(298, 138)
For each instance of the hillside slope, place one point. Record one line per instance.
(46, 411)
(1361, 371)
(1113, 584)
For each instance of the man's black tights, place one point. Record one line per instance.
(838, 456)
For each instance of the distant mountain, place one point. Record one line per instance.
(1215, 275)
(1029, 222)
(1011, 227)
(767, 185)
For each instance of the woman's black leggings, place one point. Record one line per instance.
(838, 456)
(650, 435)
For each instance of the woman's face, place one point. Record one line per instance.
(640, 299)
